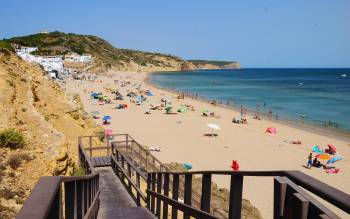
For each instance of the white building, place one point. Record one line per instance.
(73, 57)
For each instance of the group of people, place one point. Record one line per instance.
(314, 162)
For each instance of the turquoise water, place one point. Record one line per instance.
(318, 94)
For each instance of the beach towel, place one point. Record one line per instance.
(332, 171)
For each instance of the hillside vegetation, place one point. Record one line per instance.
(205, 64)
(58, 43)
(107, 56)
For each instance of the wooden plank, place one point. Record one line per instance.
(153, 188)
(41, 198)
(280, 187)
(300, 206)
(70, 199)
(159, 190)
(166, 193)
(189, 210)
(188, 193)
(206, 192)
(175, 195)
(235, 204)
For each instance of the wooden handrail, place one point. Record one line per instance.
(43, 196)
(138, 191)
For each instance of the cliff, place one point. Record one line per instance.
(205, 64)
(50, 122)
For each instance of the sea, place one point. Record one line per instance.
(313, 96)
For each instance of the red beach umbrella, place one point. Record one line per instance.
(332, 147)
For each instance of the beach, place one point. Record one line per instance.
(181, 136)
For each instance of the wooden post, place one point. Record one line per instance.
(300, 206)
(149, 181)
(129, 174)
(188, 192)
(236, 188)
(166, 193)
(175, 194)
(280, 188)
(159, 191)
(206, 192)
(153, 188)
(138, 186)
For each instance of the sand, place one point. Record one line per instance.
(181, 138)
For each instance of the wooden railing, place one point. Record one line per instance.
(64, 197)
(149, 163)
(290, 197)
(78, 197)
(125, 170)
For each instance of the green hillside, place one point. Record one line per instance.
(217, 63)
(57, 43)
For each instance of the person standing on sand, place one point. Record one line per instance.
(309, 161)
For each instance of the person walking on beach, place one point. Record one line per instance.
(309, 161)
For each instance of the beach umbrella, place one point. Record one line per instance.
(105, 118)
(168, 109)
(187, 166)
(316, 149)
(332, 147)
(205, 111)
(271, 130)
(323, 156)
(182, 109)
(334, 159)
(213, 126)
(108, 132)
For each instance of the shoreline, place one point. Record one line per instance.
(332, 133)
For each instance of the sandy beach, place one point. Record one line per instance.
(181, 137)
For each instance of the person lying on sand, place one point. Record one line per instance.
(256, 117)
(212, 114)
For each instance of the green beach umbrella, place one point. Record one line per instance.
(168, 109)
(205, 111)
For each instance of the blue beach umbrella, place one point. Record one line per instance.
(187, 166)
(105, 118)
(334, 159)
(316, 149)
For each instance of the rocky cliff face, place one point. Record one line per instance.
(50, 121)
(205, 64)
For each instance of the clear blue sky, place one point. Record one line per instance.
(293, 33)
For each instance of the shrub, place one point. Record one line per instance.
(79, 172)
(10, 138)
(15, 161)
